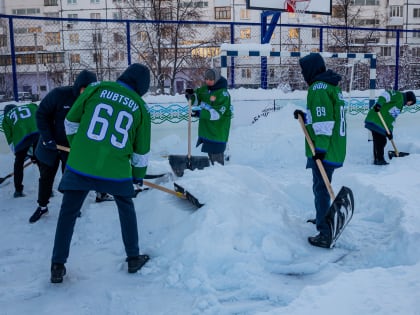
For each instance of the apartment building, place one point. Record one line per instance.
(50, 52)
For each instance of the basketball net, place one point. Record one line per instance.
(297, 6)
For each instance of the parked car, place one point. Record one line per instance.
(24, 96)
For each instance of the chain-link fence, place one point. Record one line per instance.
(38, 54)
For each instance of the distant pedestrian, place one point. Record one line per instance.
(109, 132)
(389, 105)
(19, 126)
(213, 107)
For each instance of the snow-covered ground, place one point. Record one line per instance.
(245, 251)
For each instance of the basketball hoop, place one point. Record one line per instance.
(298, 7)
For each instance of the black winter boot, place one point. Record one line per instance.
(58, 271)
(135, 263)
(320, 241)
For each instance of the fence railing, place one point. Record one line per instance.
(40, 53)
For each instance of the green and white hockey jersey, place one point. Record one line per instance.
(326, 122)
(109, 129)
(391, 102)
(19, 124)
(216, 111)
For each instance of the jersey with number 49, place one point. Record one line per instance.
(108, 128)
(326, 122)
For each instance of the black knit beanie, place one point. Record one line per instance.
(137, 76)
(212, 74)
(410, 96)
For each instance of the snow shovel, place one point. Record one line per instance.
(180, 194)
(183, 195)
(341, 210)
(181, 162)
(394, 153)
(2, 179)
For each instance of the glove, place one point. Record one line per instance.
(319, 155)
(298, 113)
(50, 145)
(390, 136)
(195, 113)
(377, 107)
(33, 159)
(189, 94)
(138, 181)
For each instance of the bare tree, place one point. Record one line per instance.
(167, 43)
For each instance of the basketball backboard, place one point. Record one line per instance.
(309, 6)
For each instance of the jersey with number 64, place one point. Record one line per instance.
(108, 128)
(326, 122)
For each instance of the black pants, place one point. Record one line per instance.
(70, 207)
(46, 178)
(18, 168)
(379, 142)
(322, 198)
(217, 157)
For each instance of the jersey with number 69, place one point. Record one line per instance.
(108, 128)
(326, 122)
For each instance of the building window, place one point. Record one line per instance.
(118, 38)
(73, 16)
(246, 73)
(97, 38)
(390, 34)
(396, 10)
(117, 15)
(75, 58)
(222, 13)
(52, 15)
(316, 33)
(52, 38)
(416, 52)
(71, 1)
(118, 56)
(74, 38)
(244, 14)
(3, 40)
(48, 3)
(386, 51)
(95, 1)
(416, 34)
(366, 2)
(142, 36)
(416, 12)
(245, 33)
(30, 11)
(97, 58)
(293, 33)
(95, 16)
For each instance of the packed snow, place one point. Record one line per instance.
(245, 251)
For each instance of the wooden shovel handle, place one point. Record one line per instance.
(164, 189)
(388, 132)
(318, 162)
(145, 182)
(189, 128)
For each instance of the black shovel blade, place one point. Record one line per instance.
(179, 163)
(392, 154)
(187, 194)
(340, 213)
